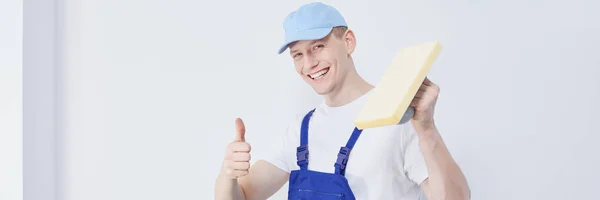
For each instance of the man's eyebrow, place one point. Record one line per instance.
(311, 43)
(319, 40)
(293, 51)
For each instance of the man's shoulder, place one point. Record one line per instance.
(298, 116)
(293, 122)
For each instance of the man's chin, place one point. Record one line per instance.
(322, 91)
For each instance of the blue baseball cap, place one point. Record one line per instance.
(311, 21)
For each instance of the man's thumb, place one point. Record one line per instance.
(240, 130)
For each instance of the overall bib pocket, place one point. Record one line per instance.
(305, 194)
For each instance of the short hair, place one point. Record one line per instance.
(339, 31)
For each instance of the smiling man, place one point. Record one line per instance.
(404, 161)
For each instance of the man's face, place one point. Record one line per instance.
(321, 62)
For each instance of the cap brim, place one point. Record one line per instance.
(311, 34)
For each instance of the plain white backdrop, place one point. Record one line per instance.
(147, 91)
(11, 87)
(39, 99)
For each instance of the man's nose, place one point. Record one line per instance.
(311, 62)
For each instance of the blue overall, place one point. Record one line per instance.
(306, 184)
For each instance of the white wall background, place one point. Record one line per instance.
(39, 105)
(11, 87)
(148, 91)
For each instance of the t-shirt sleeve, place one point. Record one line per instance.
(414, 163)
(277, 152)
(282, 151)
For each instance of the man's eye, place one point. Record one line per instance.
(318, 46)
(297, 55)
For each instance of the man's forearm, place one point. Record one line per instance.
(446, 180)
(228, 189)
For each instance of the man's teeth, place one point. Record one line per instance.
(319, 74)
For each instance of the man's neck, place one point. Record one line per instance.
(353, 87)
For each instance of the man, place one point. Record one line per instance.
(394, 162)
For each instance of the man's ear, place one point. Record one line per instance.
(349, 41)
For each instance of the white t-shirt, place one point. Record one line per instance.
(385, 163)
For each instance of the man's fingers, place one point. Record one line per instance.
(237, 157)
(419, 94)
(236, 173)
(431, 90)
(428, 82)
(239, 173)
(423, 87)
(239, 147)
(240, 130)
(414, 103)
(240, 157)
(425, 95)
(429, 85)
(239, 165)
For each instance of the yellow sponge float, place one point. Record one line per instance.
(392, 95)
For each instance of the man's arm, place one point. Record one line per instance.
(262, 181)
(446, 180)
(238, 181)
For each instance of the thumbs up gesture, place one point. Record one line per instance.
(237, 155)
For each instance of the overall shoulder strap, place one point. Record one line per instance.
(344, 154)
(302, 150)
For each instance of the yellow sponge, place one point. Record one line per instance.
(392, 95)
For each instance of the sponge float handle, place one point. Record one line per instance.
(408, 114)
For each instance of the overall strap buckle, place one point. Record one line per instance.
(342, 160)
(302, 150)
(302, 156)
